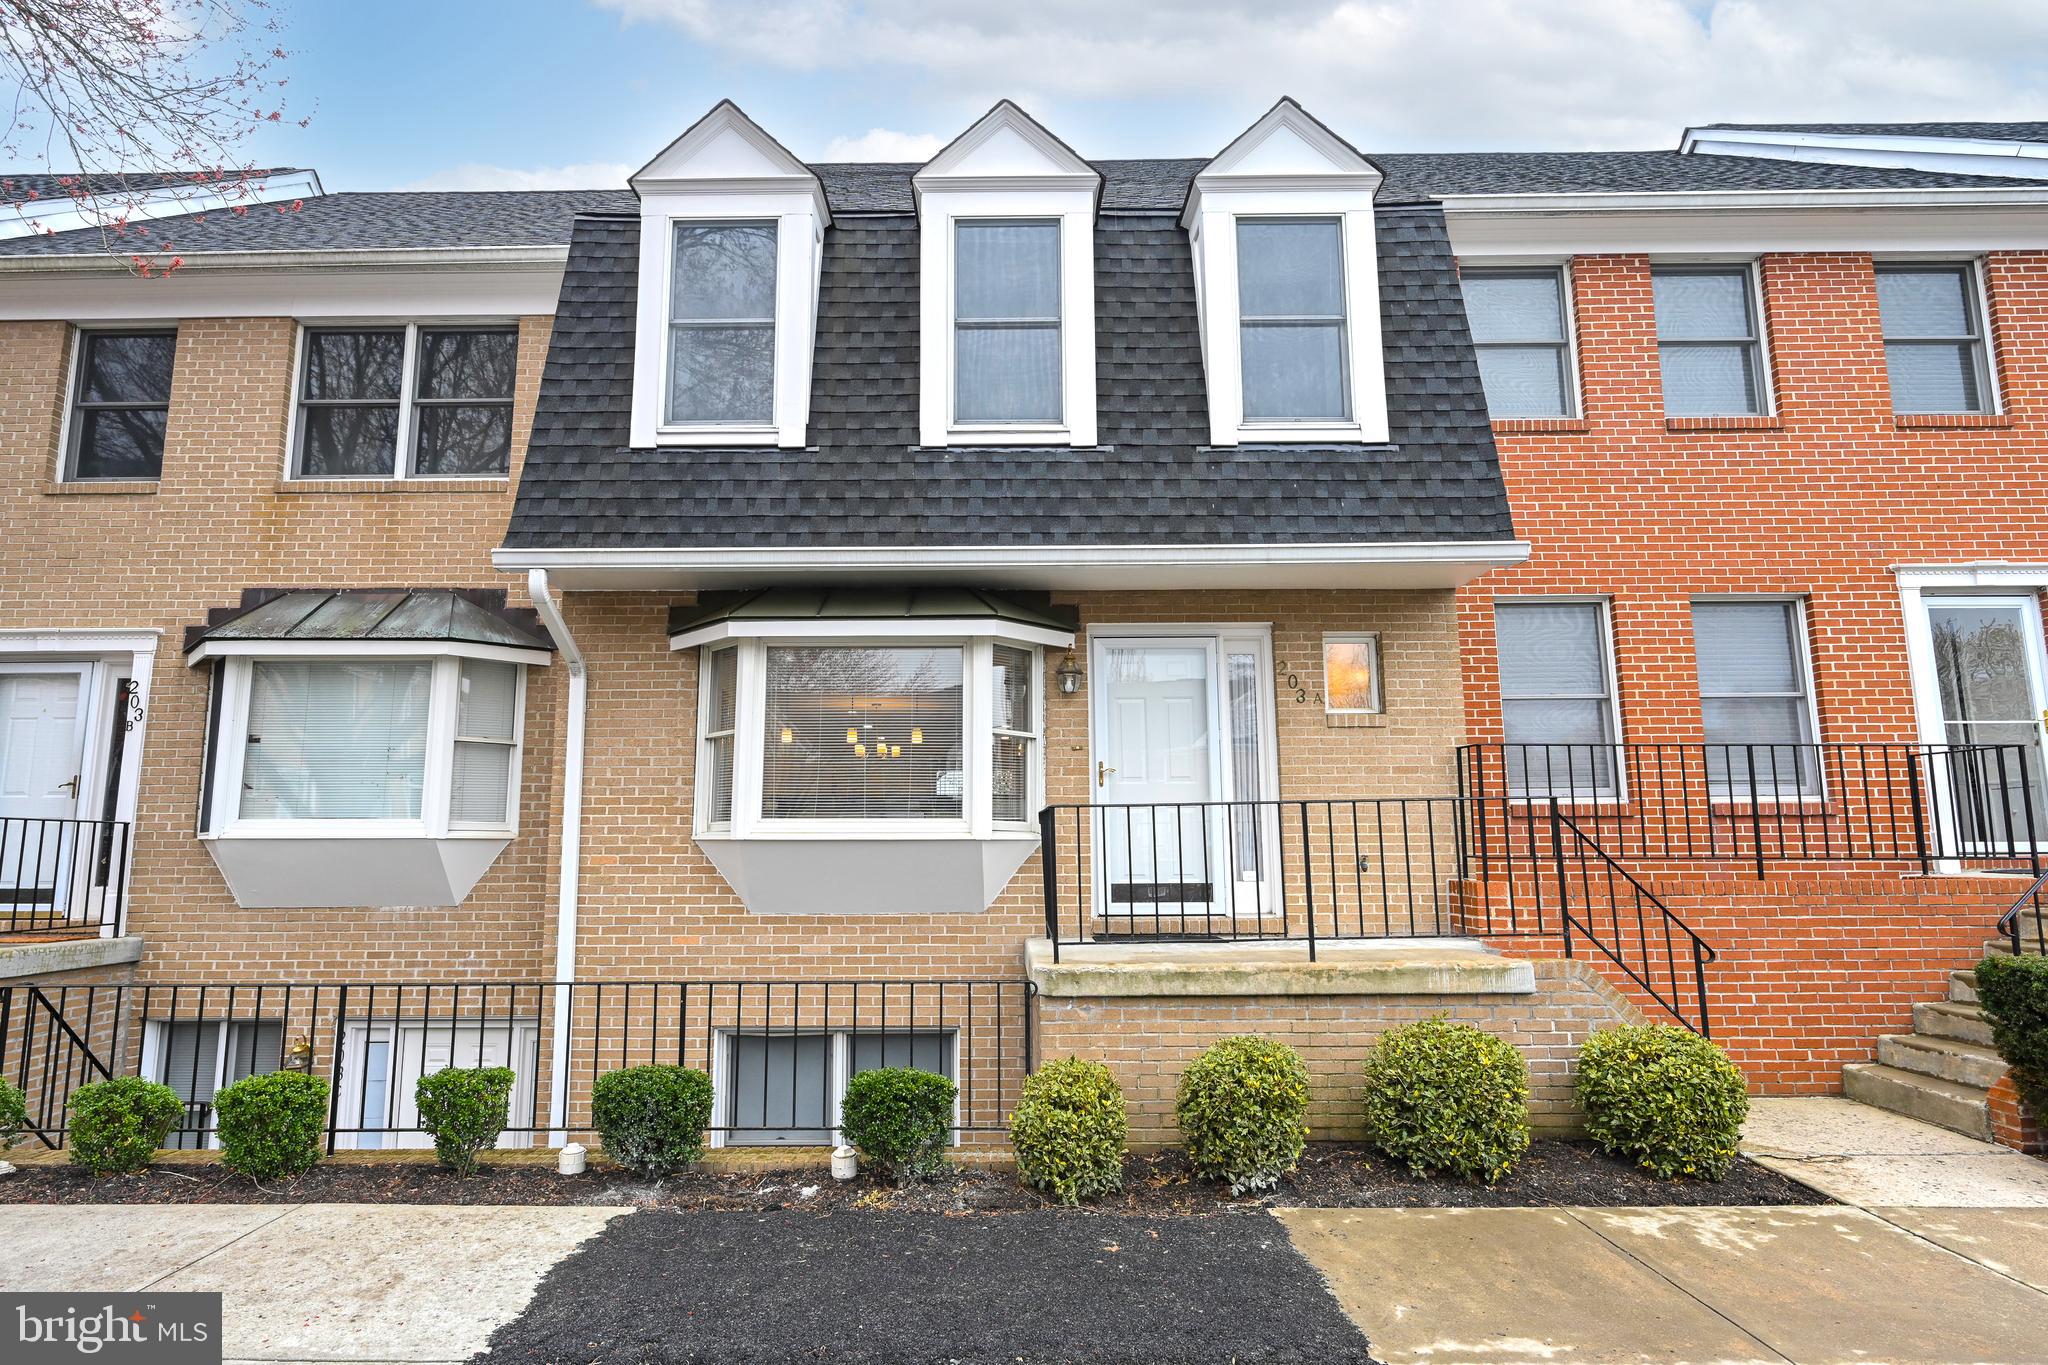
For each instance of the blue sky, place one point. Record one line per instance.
(552, 93)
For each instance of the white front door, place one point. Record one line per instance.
(42, 759)
(1988, 676)
(382, 1064)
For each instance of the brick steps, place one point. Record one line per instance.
(1943, 1071)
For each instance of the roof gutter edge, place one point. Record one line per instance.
(115, 262)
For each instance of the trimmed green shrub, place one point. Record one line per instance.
(899, 1118)
(1441, 1096)
(1068, 1131)
(271, 1125)
(117, 1125)
(651, 1119)
(465, 1109)
(2013, 992)
(1663, 1097)
(1243, 1109)
(13, 1114)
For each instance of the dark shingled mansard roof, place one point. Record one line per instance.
(1154, 478)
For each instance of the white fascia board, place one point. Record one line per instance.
(1961, 155)
(315, 290)
(365, 649)
(891, 628)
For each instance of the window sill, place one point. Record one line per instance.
(718, 436)
(1967, 420)
(1763, 422)
(500, 483)
(1305, 433)
(1023, 434)
(57, 488)
(1355, 720)
(1541, 426)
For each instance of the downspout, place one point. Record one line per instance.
(572, 850)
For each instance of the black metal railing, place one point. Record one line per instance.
(1765, 804)
(2024, 927)
(60, 875)
(779, 1052)
(1331, 870)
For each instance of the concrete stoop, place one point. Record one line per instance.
(1942, 1072)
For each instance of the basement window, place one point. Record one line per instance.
(785, 1089)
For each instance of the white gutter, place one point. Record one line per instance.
(1759, 201)
(1500, 552)
(113, 259)
(571, 852)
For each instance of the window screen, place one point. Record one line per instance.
(863, 732)
(1006, 322)
(121, 402)
(349, 389)
(722, 324)
(1933, 338)
(1707, 343)
(462, 400)
(1556, 697)
(1290, 286)
(1753, 698)
(1518, 332)
(335, 741)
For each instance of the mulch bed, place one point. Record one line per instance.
(1331, 1175)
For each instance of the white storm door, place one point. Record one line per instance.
(42, 759)
(1158, 776)
(1988, 676)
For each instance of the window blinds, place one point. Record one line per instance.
(335, 741)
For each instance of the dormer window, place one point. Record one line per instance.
(1290, 284)
(1006, 321)
(721, 325)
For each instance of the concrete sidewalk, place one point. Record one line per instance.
(309, 1282)
(1876, 1159)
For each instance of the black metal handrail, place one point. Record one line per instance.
(2028, 908)
(779, 1052)
(58, 875)
(1765, 804)
(1652, 946)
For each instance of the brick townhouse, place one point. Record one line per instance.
(794, 618)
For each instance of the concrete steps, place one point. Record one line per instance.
(1940, 1073)
(1960, 1108)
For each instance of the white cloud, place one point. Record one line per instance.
(1423, 73)
(884, 144)
(584, 175)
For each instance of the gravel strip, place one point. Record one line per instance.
(908, 1289)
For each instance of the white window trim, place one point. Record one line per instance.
(1575, 390)
(1379, 681)
(839, 1061)
(978, 673)
(1802, 644)
(1619, 742)
(1979, 293)
(401, 464)
(64, 469)
(229, 746)
(1767, 379)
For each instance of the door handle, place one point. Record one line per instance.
(71, 786)
(1102, 773)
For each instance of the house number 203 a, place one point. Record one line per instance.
(1303, 692)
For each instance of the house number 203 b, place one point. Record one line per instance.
(1292, 682)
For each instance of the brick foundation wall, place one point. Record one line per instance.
(1147, 1043)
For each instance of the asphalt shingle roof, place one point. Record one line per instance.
(1992, 132)
(1154, 479)
(67, 184)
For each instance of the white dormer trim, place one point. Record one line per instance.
(1287, 165)
(726, 168)
(1007, 166)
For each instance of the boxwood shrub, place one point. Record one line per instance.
(1069, 1129)
(464, 1108)
(271, 1125)
(651, 1119)
(899, 1118)
(2013, 992)
(1243, 1109)
(13, 1114)
(1442, 1096)
(1663, 1097)
(118, 1124)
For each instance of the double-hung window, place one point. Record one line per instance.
(1933, 338)
(1291, 320)
(120, 404)
(413, 401)
(1755, 702)
(1006, 321)
(721, 325)
(1556, 698)
(1519, 331)
(1709, 346)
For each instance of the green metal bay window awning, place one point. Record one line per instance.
(889, 610)
(372, 620)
